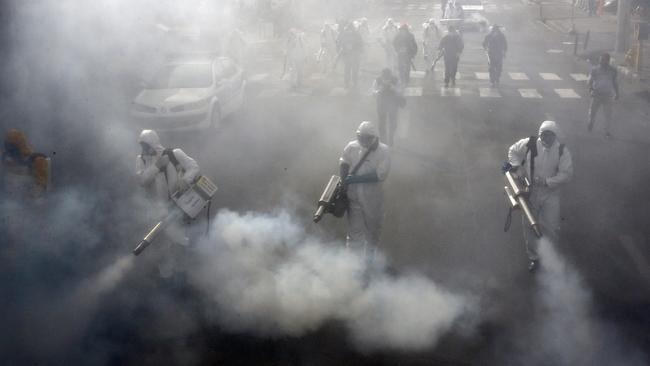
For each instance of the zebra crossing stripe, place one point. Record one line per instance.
(489, 93)
(549, 76)
(413, 92)
(580, 77)
(258, 77)
(518, 76)
(449, 92)
(338, 92)
(529, 93)
(417, 74)
(482, 75)
(269, 93)
(567, 93)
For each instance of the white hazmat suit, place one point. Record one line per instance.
(366, 210)
(160, 184)
(552, 170)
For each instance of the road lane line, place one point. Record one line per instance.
(417, 74)
(549, 76)
(580, 77)
(258, 77)
(567, 93)
(269, 93)
(338, 92)
(489, 93)
(449, 92)
(518, 76)
(413, 91)
(482, 75)
(529, 93)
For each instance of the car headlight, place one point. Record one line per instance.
(143, 108)
(191, 106)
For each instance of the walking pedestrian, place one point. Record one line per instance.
(389, 100)
(451, 46)
(406, 49)
(603, 88)
(495, 45)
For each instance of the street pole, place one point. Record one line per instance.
(622, 26)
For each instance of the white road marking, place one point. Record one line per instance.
(423, 7)
(567, 93)
(549, 76)
(338, 91)
(580, 77)
(317, 76)
(413, 92)
(449, 92)
(417, 74)
(269, 93)
(489, 93)
(258, 77)
(518, 76)
(529, 93)
(554, 51)
(506, 7)
(482, 75)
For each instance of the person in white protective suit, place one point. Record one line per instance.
(296, 55)
(430, 36)
(389, 31)
(327, 53)
(162, 172)
(364, 188)
(551, 168)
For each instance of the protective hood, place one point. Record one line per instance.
(19, 141)
(549, 126)
(368, 128)
(150, 137)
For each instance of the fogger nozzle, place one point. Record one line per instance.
(142, 246)
(517, 193)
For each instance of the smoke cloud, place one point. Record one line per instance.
(568, 330)
(264, 274)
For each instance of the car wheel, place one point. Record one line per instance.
(215, 118)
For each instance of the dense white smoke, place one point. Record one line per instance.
(265, 275)
(568, 331)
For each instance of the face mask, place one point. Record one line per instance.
(147, 150)
(366, 140)
(548, 138)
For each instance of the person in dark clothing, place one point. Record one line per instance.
(496, 46)
(451, 45)
(406, 48)
(388, 103)
(350, 46)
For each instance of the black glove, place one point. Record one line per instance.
(506, 167)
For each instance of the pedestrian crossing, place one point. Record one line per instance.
(514, 84)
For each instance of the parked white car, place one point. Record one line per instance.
(190, 94)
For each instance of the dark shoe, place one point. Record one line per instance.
(446, 85)
(533, 265)
(453, 83)
(608, 136)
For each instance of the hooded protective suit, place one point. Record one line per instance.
(161, 184)
(366, 211)
(389, 31)
(552, 170)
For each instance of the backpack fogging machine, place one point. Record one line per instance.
(334, 199)
(518, 192)
(190, 203)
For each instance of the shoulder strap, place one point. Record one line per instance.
(561, 149)
(532, 147)
(363, 158)
(172, 157)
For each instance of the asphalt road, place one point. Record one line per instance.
(445, 207)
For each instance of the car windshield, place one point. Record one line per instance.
(183, 76)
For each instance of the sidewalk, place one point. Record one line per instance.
(601, 30)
